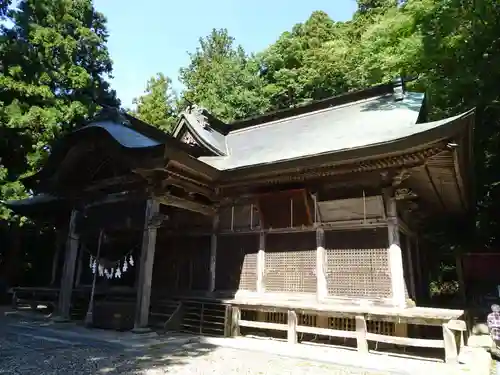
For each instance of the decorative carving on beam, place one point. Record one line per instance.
(187, 138)
(199, 113)
(401, 161)
(404, 194)
(187, 204)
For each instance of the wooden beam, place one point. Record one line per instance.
(113, 181)
(458, 179)
(146, 267)
(188, 186)
(190, 205)
(68, 276)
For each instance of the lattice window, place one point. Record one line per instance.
(290, 263)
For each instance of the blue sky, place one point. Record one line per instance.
(154, 36)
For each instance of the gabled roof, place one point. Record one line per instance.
(358, 124)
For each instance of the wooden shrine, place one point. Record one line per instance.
(310, 214)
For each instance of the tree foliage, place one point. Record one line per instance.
(223, 78)
(158, 105)
(53, 69)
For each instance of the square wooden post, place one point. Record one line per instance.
(362, 343)
(395, 256)
(146, 268)
(321, 282)
(261, 264)
(213, 253)
(261, 273)
(235, 321)
(68, 275)
(292, 327)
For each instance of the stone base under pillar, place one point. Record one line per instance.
(141, 330)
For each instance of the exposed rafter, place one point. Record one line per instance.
(434, 187)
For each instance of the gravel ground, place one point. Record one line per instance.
(38, 352)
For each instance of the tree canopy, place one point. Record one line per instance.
(53, 69)
(158, 105)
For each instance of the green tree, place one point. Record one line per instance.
(307, 63)
(223, 78)
(53, 69)
(158, 105)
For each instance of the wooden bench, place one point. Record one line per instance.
(453, 329)
(33, 297)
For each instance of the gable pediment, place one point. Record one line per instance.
(187, 137)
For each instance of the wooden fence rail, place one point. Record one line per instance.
(453, 333)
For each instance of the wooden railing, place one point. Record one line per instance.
(453, 333)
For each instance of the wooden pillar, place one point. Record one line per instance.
(362, 343)
(411, 270)
(321, 284)
(79, 267)
(60, 235)
(213, 253)
(146, 267)
(235, 321)
(394, 252)
(68, 275)
(418, 267)
(261, 263)
(292, 327)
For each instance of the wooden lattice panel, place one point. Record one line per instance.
(358, 273)
(248, 278)
(290, 263)
(236, 262)
(308, 320)
(276, 317)
(372, 326)
(342, 324)
(381, 328)
(357, 264)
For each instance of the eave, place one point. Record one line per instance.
(349, 158)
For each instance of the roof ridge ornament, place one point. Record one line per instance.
(399, 89)
(199, 113)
